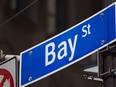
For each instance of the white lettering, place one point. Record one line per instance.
(86, 30)
(89, 26)
(72, 47)
(63, 49)
(52, 53)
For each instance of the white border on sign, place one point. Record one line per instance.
(73, 61)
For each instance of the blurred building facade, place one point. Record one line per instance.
(41, 21)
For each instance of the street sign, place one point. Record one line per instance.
(8, 73)
(68, 47)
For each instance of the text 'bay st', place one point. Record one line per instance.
(68, 47)
(62, 47)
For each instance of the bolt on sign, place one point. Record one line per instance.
(8, 73)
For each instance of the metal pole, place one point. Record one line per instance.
(108, 67)
(2, 56)
(6, 57)
(108, 80)
(108, 63)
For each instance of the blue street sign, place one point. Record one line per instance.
(68, 47)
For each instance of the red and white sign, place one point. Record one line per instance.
(8, 73)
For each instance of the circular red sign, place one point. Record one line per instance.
(6, 76)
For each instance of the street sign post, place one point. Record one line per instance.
(8, 73)
(68, 47)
